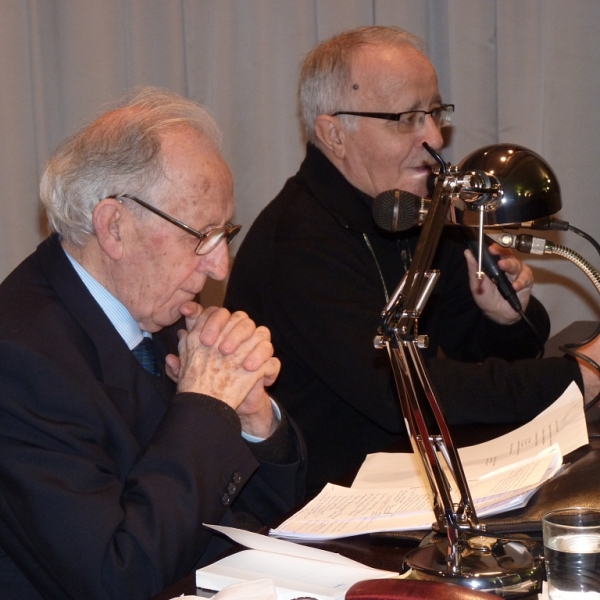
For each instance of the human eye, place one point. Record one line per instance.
(193, 241)
(438, 114)
(409, 119)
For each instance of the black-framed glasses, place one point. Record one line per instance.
(411, 120)
(208, 241)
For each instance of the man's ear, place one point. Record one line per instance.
(331, 135)
(107, 222)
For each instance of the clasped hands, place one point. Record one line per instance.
(485, 292)
(228, 357)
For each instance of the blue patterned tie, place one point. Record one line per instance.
(144, 352)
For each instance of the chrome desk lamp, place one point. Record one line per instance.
(496, 185)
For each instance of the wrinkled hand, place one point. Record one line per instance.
(485, 292)
(226, 356)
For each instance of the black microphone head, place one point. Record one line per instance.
(396, 210)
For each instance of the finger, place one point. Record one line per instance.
(258, 354)
(182, 336)
(191, 311)
(523, 280)
(511, 265)
(211, 324)
(499, 250)
(172, 367)
(240, 330)
(272, 369)
(472, 264)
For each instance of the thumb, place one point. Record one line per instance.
(172, 367)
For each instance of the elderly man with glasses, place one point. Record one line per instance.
(316, 269)
(130, 415)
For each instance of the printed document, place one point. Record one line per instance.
(388, 493)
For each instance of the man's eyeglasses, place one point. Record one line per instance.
(411, 120)
(208, 241)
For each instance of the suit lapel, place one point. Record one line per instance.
(133, 391)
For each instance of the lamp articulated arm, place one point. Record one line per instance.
(501, 184)
(434, 449)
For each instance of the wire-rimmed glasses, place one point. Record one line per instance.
(207, 241)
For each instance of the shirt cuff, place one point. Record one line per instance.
(253, 438)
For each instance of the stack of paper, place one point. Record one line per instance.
(297, 571)
(388, 493)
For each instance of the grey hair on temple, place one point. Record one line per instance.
(325, 78)
(118, 152)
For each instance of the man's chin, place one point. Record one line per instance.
(155, 324)
(169, 315)
(418, 188)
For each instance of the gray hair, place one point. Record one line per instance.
(119, 152)
(325, 78)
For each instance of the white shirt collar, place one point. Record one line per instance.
(118, 315)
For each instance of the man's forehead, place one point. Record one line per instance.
(383, 71)
(187, 154)
(197, 178)
(180, 141)
(382, 57)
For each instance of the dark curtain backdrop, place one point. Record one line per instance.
(522, 71)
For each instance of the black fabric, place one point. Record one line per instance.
(107, 474)
(315, 268)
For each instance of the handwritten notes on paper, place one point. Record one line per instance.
(388, 493)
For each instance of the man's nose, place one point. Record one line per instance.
(431, 133)
(215, 264)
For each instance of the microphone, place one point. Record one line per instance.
(489, 264)
(397, 210)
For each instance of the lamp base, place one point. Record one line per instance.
(485, 564)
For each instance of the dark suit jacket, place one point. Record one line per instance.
(106, 475)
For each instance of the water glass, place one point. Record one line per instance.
(572, 553)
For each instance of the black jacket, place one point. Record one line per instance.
(106, 473)
(315, 269)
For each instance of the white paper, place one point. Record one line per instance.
(562, 423)
(341, 512)
(294, 569)
(260, 589)
(502, 475)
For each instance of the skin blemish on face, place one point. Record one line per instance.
(355, 86)
(202, 191)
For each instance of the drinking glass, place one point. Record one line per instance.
(572, 553)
